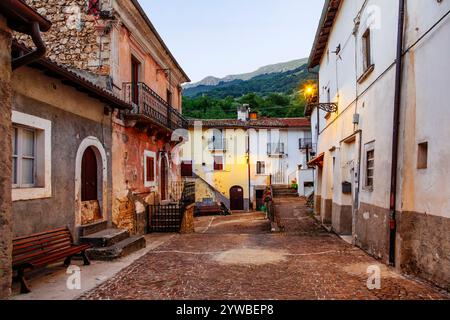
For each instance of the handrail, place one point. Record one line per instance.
(149, 104)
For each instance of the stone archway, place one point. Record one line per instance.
(91, 147)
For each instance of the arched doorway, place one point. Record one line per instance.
(237, 198)
(89, 176)
(164, 177)
(91, 182)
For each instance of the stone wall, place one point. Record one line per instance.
(130, 212)
(342, 219)
(424, 247)
(77, 39)
(5, 160)
(372, 231)
(187, 225)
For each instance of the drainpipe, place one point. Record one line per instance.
(248, 168)
(395, 132)
(40, 51)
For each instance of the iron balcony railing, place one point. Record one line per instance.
(217, 144)
(275, 149)
(149, 104)
(305, 143)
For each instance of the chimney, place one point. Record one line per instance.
(253, 115)
(242, 112)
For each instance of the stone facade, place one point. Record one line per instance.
(372, 231)
(187, 225)
(77, 38)
(79, 120)
(342, 219)
(5, 160)
(425, 247)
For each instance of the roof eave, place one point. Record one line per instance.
(153, 29)
(19, 14)
(329, 12)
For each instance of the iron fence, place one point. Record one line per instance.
(169, 217)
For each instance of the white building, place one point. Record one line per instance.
(247, 154)
(356, 50)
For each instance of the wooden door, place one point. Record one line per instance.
(259, 199)
(237, 198)
(89, 176)
(164, 176)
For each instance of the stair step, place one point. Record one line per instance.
(117, 250)
(92, 228)
(105, 238)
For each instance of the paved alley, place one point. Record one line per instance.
(236, 257)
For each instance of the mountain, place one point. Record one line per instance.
(273, 68)
(272, 91)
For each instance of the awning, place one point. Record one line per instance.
(317, 161)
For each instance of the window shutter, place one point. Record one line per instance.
(218, 163)
(150, 169)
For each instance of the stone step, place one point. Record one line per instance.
(105, 238)
(117, 250)
(290, 195)
(285, 191)
(92, 228)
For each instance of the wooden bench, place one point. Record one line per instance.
(42, 249)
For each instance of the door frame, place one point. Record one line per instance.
(164, 158)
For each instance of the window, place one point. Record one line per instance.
(31, 157)
(187, 169)
(422, 157)
(370, 168)
(24, 156)
(367, 56)
(135, 76)
(218, 163)
(217, 141)
(260, 167)
(169, 97)
(149, 169)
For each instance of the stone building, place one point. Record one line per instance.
(14, 16)
(62, 141)
(115, 45)
(382, 166)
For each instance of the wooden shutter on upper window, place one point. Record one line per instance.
(150, 165)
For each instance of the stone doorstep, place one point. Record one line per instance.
(117, 250)
(105, 238)
(92, 228)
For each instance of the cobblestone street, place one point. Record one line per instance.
(236, 257)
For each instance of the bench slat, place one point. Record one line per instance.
(42, 252)
(42, 233)
(58, 256)
(19, 248)
(41, 237)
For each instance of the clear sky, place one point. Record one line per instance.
(222, 37)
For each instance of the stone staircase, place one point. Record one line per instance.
(284, 191)
(109, 244)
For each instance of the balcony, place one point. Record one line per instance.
(275, 149)
(148, 105)
(305, 144)
(217, 145)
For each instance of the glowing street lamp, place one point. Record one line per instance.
(312, 98)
